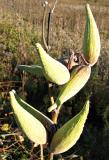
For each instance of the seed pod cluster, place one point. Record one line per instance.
(34, 123)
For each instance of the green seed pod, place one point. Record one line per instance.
(38, 115)
(53, 70)
(69, 133)
(91, 44)
(78, 79)
(33, 69)
(31, 126)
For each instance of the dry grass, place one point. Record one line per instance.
(68, 21)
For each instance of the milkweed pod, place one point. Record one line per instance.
(33, 69)
(31, 126)
(69, 133)
(91, 44)
(37, 114)
(78, 79)
(53, 70)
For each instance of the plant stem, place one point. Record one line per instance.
(51, 156)
(41, 152)
(43, 28)
(52, 10)
(55, 112)
(50, 93)
(55, 115)
(46, 45)
(48, 29)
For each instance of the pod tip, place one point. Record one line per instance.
(38, 45)
(12, 91)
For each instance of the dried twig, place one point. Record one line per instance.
(43, 26)
(46, 42)
(41, 153)
(49, 22)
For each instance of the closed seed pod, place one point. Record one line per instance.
(78, 79)
(30, 125)
(53, 70)
(91, 44)
(48, 123)
(69, 133)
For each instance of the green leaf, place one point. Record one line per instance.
(31, 126)
(69, 133)
(33, 69)
(53, 70)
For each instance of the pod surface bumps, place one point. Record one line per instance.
(91, 44)
(69, 133)
(53, 70)
(78, 79)
(31, 126)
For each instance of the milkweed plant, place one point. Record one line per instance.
(34, 123)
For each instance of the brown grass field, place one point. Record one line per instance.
(67, 26)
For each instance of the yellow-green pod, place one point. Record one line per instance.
(69, 133)
(53, 70)
(91, 45)
(48, 123)
(78, 79)
(31, 126)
